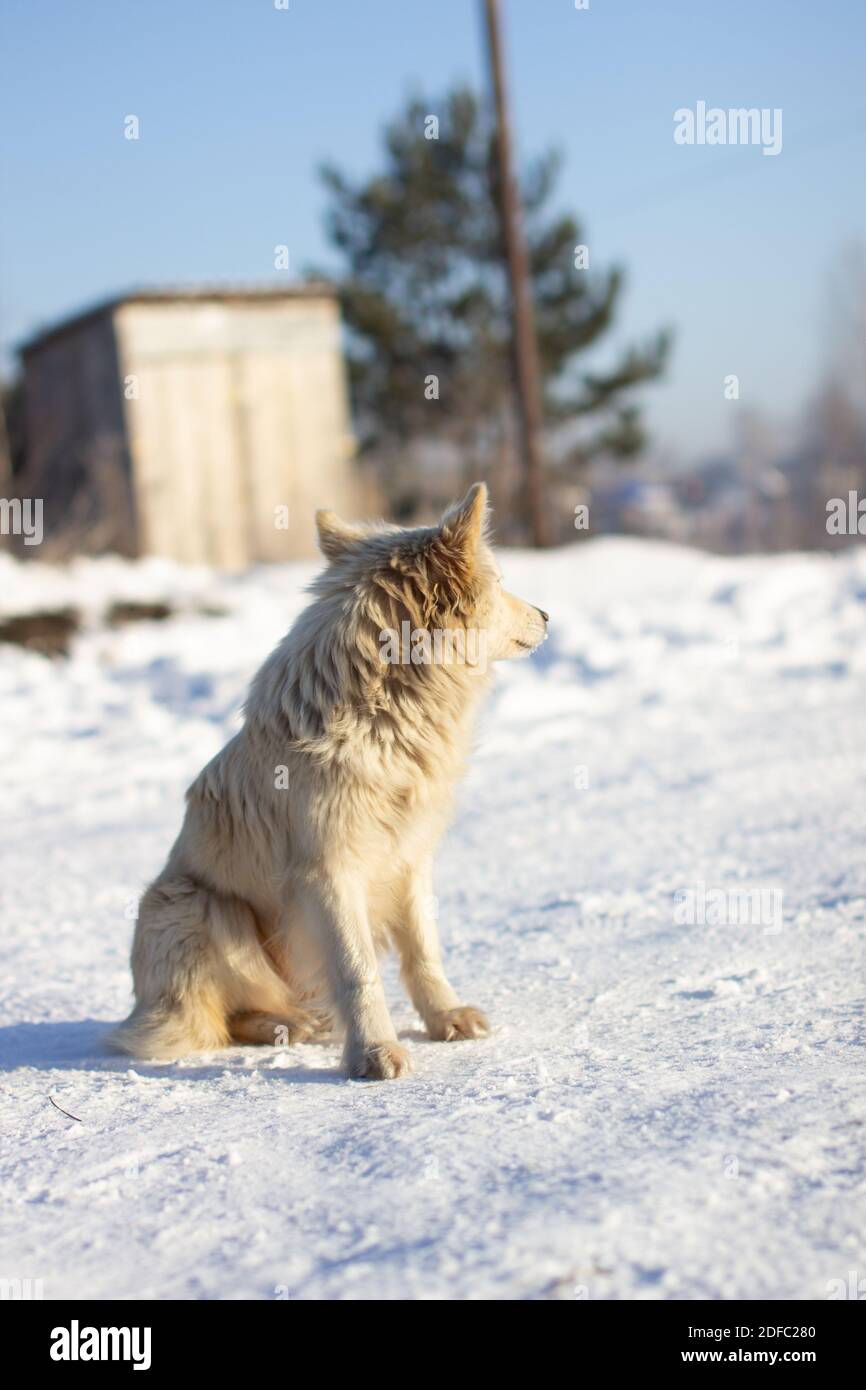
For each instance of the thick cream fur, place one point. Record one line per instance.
(267, 921)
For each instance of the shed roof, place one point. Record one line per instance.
(192, 294)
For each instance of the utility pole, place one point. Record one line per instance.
(7, 486)
(523, 320)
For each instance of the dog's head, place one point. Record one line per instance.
(441, 579)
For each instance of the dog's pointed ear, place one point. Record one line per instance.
(464, 524)
(335, 535)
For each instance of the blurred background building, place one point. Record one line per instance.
(193, 424)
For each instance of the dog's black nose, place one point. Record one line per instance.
(545, 616)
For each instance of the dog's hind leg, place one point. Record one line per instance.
(291, 1025)
(178, 977)
(196, 962)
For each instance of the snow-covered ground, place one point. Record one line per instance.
(666, 1109)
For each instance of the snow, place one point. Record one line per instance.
(664, 1110)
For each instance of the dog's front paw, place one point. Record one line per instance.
(452, 1025)
(380, 1062)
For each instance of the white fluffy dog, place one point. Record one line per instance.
(307, 842)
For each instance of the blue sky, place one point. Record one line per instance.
(239, 102)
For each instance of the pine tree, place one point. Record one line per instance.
(425, 298)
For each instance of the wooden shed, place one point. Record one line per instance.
(203, 425)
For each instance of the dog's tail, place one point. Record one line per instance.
(180, 979)
(165, 1032)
